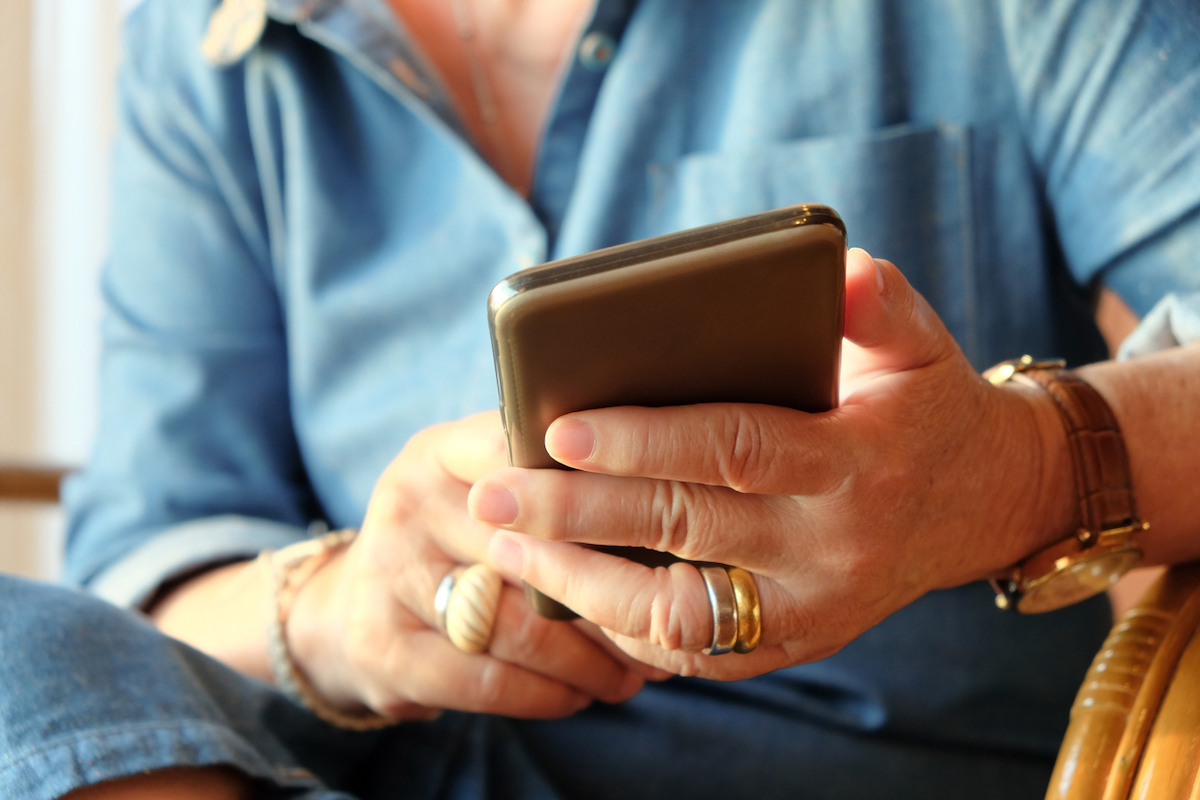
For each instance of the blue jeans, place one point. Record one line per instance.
(90, 692)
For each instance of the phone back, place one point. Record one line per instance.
(747, 311)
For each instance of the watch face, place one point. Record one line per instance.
(1078, 580)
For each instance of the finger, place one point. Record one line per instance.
(887, 317)
(453, 529)
(438, 675)
(523, 638)
(667, 613)
(559, 652)
(473, 446)
(693, 521)
(721, 668)
(664, 606)
(440, 528)
(749, 448)
(605, 640)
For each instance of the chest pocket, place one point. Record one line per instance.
(904, 193)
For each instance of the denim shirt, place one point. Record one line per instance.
(304, 240)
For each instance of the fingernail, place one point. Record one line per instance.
(570, 440)
(507, 554)
(494, 503)
(879, 282)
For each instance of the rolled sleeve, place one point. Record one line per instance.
(1175, 321)
(132, 581)
(196, 459)
(1111, 93)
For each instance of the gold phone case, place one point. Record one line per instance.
(747, 311)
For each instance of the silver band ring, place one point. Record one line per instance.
(724, 610)
(441, 599)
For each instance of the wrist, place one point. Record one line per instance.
(305, 631)
(1050, 506)
(1098, 544)
(310, 634)
(299, 627)
(1044, 509)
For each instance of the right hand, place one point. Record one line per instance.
(363, 629)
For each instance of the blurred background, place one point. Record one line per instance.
(58, 61)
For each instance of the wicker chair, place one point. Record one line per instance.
(1135, 725)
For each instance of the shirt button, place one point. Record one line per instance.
(597, 50)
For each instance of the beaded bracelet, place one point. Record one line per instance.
(290, 568)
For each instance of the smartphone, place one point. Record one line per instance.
(746, 311)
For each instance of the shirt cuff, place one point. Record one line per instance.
(186, 548)
(1174, 321)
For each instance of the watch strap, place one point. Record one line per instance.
(1100, 462)
(1102, 547)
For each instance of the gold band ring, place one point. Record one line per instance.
(466, 604)
(749, 609)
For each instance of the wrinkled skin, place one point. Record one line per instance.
(925, 476)
(364, 628)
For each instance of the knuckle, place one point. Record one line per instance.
(384, 696)
(743, 461)
(421, 440)
(491, 689)
(673, 518)
(395, 500)
(665, 626)
(670, 622)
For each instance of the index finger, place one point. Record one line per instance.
(750, 448)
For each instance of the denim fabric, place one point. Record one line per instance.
(303, 244)
(92, 692)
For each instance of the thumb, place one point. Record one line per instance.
(472, 447)
(892, 324)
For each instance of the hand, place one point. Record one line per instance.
(363, 629)
(926, 476)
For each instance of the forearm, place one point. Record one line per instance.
(224, 613)
(1155, 399)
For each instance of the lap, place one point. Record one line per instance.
(92, 692)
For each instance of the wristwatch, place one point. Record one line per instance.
(1103, 547)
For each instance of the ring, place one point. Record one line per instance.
(724, 610)
(466, 603)
(749, 610)
(442, 598)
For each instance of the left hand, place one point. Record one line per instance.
(924, 477)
